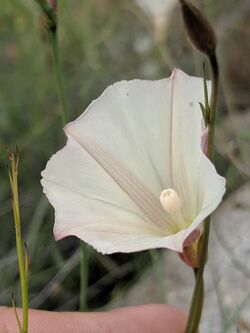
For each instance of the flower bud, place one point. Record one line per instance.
(199, 30)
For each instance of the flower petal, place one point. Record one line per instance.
(109, 243)
(131, 122)
(79, 187)
(186, 152)
(93, 207)
(213, 188)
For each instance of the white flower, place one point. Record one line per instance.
(132, 175)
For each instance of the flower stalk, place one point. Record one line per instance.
(203, 38)
(21, 252)
(198, 294)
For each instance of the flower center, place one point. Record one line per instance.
(170, 200)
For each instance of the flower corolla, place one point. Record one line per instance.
(133, 175)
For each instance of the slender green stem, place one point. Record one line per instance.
(58, 73)
(83, 276)
(198, 299)
(19, 244)
(198, 294)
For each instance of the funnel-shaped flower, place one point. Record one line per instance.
(133, 175)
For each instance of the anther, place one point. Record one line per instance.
(170, 200)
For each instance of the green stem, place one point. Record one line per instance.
(83, 276)
(198, 294)
(58, 73)
(198, 299)
(19, 246)
(23, 279)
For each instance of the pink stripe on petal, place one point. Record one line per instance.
(142, 197)
(204, 140)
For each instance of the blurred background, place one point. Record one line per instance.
(103, 41)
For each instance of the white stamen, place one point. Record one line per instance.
(170, 200)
